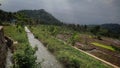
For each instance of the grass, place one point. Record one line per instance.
(70, 57)
(13, 32)
(23, 55)
(103, 46)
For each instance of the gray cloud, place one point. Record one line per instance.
(72, 11)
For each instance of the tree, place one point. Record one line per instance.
(97, 31)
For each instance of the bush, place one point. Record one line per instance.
(74, 38)
(24, 57)
(69, 61)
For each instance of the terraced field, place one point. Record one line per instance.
(66, 54)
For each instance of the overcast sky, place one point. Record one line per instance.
(71, 11)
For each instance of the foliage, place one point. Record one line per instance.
(74, 38)
(53, 31)
(6, 16)
(103, 46)
(24, 57)
(40, 16)
(95, 30)
(34, 17)
(24, 53)
(116, 48)
(113, 30)
(69, 56)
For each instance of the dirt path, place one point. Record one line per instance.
(43, 55)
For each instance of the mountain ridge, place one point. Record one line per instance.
(40, 15)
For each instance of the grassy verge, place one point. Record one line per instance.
(23, 53)
(69, 56)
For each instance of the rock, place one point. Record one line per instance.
(3, 48)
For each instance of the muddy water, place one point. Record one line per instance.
(43, 55)
(9, 59)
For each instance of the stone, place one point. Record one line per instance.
(3, 48)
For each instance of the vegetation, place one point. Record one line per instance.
(40, 16)
(103, 46)
(23, 54)
(47, 32)
(6, 16)
(69, 56)
(113, 30)
(74, 38)
(34, 17)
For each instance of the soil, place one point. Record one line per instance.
(85, 44)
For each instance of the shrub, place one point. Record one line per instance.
(74, 38)
(24, 57)
(70, 61)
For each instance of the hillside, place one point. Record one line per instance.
(114, 29)
(29, 16)
(40, 15)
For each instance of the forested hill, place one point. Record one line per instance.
(6, 16)
(40, 16)
(114, 29)
(29, 17)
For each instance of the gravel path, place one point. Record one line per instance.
(43, 55)
(9, 59)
